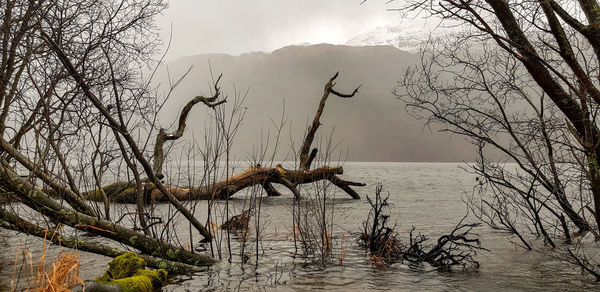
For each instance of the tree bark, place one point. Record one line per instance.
(575, 114)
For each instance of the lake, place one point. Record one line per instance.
(428, 196)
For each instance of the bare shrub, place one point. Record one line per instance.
(381, 240)
(456, 248)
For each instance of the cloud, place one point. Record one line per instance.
(235, 27)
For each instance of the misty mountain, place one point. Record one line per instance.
(406, 36)
(372, 126)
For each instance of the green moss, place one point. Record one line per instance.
(129, 190)
(125, 266)
(104, 279)
(95, 195)
(116, 192)
(170, 254)
(158, 277)
(135, 284)
(163, 265)
(32, 194)
(132, 240)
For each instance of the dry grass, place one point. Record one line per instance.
(64, 274)
(61, 276)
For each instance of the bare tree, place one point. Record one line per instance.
(79, 121)
(520, 80)
(72, 76)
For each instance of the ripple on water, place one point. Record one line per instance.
(425, 195)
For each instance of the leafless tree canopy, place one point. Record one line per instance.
(79, 130)
(520, 80)
(76, 108)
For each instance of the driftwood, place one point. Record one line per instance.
(267, 176)
(279, 175)
(238, 222)
(126, 193)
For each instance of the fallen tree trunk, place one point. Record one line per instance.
(11, 221)
(42, 203)
(125, 192)
(268, 176)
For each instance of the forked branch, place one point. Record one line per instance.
(163, 136)
(306, 159)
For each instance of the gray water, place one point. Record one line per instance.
(428, 196)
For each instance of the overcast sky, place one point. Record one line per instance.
(239, 26)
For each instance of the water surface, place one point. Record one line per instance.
(428, 196)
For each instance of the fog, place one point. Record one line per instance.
(235, 27)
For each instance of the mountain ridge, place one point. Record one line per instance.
(372, 126)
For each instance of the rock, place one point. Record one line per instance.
(93, 286)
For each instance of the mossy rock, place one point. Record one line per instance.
(157, 277)
(125, 266)
(93, 286)
(129, 272)
(135, 284)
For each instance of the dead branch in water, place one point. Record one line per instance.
(456, 248)
(267, 177)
